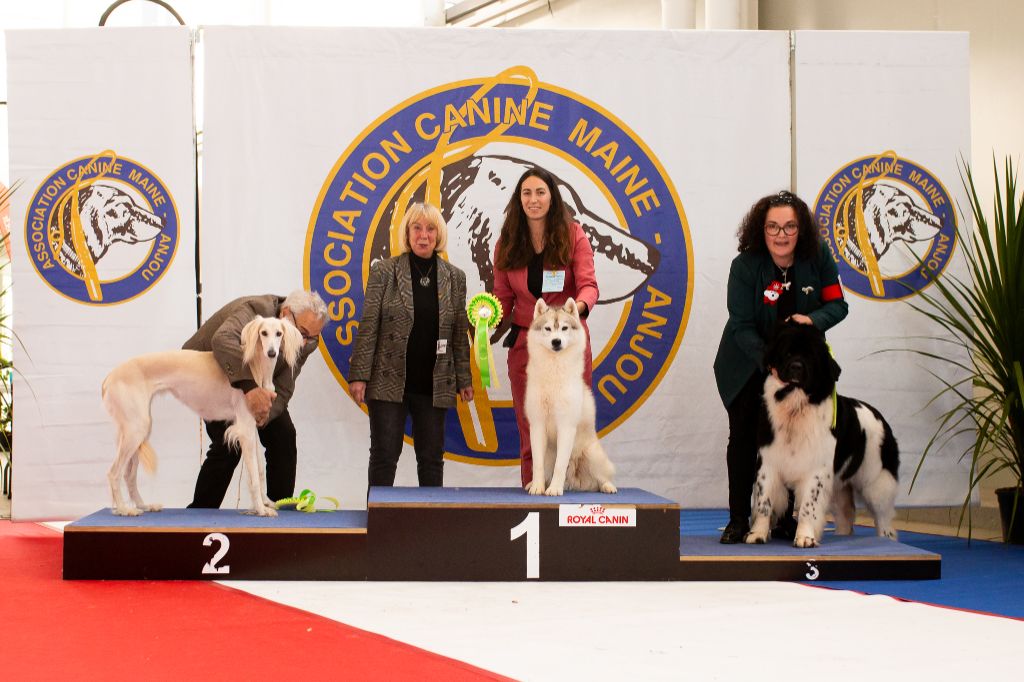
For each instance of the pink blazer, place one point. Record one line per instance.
(580, 283)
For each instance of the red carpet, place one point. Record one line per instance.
(153, 630)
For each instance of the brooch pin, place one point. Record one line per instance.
(773, 292)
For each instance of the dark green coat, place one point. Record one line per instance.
(819, 295)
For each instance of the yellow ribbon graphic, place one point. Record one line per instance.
(428, 172)
(89, 274)
(860, 227)
(445, 153)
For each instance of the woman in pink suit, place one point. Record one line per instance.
(541, 252)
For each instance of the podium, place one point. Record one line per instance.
(465, 534)
(505, 534)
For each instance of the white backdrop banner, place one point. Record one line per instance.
(312, 137)
(882, 119)
(661, 141)
(101, 131)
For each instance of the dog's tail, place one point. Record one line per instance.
(147, 457)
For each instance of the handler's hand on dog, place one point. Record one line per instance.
(802, 319)
(358, 391)
(259, 400)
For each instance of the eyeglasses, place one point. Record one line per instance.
(773, 229)
(307, 338)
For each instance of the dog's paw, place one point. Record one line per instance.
(609, 487)
(888, 533)
(805, 541)
(554, 491)
(535, 488)
(151, 507)
(753, 538)
(267, 511)
(127, 511)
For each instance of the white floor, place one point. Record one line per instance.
(668, 631)
(755, 632)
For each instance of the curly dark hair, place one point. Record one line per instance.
(514, 247)
(751, 232)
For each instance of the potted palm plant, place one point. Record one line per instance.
(983, 313)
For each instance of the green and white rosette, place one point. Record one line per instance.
(484, 313)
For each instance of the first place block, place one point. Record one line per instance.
(506, 534)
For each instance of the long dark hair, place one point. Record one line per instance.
(514, 247)
(751, 232)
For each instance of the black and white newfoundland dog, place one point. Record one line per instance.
(823, 447)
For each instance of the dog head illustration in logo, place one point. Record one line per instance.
(889, 224)
(474, 193)
(463, 146)
(101, 229)
(108, 216)
(890, 215)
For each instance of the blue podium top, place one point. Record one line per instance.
(220, 519)
(507, 497)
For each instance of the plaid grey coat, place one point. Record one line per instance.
(378, 357)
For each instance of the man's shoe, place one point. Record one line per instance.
(735, 532)
(785, 529)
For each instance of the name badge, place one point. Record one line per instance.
(442, 346)
(554, 281)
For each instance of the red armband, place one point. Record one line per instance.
(833, 292)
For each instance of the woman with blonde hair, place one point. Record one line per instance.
(411, 354)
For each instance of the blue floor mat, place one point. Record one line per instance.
(980, 576)
(983, 576)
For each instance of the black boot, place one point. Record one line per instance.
(735, 531)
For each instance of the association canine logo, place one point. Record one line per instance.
(462, 146)
(890, 225)
(101, 230)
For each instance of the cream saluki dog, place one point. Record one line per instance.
(194, 378)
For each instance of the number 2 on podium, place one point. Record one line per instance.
(211, 566)
(530, 527)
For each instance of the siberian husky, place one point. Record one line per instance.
(560, 407)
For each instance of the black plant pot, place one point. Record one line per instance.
(1014, 534)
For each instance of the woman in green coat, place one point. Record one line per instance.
(784, 271)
